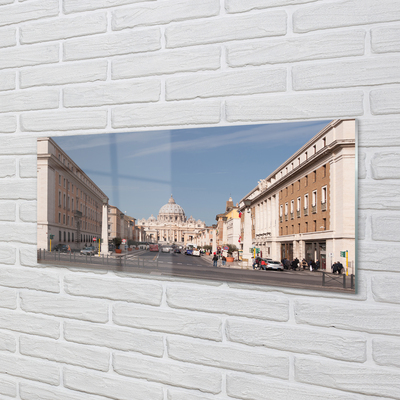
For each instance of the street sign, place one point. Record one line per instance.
(226, 248)
(342, 254)
(123, 241)
(94, 239)
(51, 236)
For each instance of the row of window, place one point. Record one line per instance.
(312, 227)
(306, 204)
(85, 225)
(70, 237)
(64, 201)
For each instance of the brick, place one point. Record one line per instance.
(385, 288)
(166, 114)
(63, 28)
(28, 167)
(28, 256)
(235, 6)
(163, 12)
(8, 124)
(113, 337)
(362, 168)
(28, 211)
(67, 307)
(61, 74)
(28, 368)
(159, 320)
(244, 303)
(362, 225)
(8, 297)
(16, 232)
(385, 227)
(379, 131)
(29, 391)
(168, 372)
(226, 84)
(385, 101)
(372, 71)
(115, 93)
(111, 385)
(30, 324)
(7, 80)
(8, 37)
(8, 387)
(20, 12)
(386, 352)
(385, 165)
(365, 318)
(378, 256)
(66, 353)
(135, 41)
(386, 196)
(64, 120)
(340, 346)
(249, 387)
(16, 57)
(29, 100)
(344, 13)
(7, 254)
(176, 394)
(7, 212)
(3, 2)
(28, 278)
(7, 343)
(286, 107)
(264, 24)
(229, 357)
(166, 62)
(349, 377)
(385, 39)
(8, 167)
(114, 289)
(293, 49)
(71, 6)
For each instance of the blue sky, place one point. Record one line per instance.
(200, 167)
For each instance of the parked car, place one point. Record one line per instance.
(177, 250)
(62, 248)
(89, 250)
(166, 249)
(271, 264)
(196, 252)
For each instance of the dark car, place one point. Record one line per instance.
(177, 250)
(62, 248)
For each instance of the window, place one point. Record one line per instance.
(314, 148)
(298, 228)
(59, 236)
(292, 206)
(64, 201)
(69, 238)
(281, 210)
(65, 237)
(59, 218)
(306, 180)
(292, 229)
(286, 208)
(315, 176)
(324, 142)
(298, 161)
(323, 195)
(298, 203)
(72, 204)
(64, 182)
(286, 190)
(305, 201)
(324, 223)
(59, 199)
(315, 225)
(306, 227)
(292, 187)
(67, 185)
(306, 154)
(72, 188)
(314, 201)
(64, 219)
(59, 179)
(68, 203)
(324, 171)
(298, 184)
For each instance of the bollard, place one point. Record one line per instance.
(344, 281)
(352, 281)
(323, 278)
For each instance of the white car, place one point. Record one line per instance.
(166, 249)
(196, 252)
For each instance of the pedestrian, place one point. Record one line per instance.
(263, 265)
(294, 264)
(223, 260)
(317, 265)
(304, 263)
(215, 260)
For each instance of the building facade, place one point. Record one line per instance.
(69, 209)
(171, 225)
(306, 207)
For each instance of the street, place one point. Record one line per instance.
(181, 265)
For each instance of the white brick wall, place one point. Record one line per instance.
(97, 66)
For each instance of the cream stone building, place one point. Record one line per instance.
(171, 225)
(69, 203)
(306, 207)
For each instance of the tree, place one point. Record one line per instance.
(117, 242)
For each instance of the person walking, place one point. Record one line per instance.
(223, 260)
(215, 260)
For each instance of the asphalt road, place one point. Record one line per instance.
(181, 265)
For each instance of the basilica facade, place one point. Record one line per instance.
(171, 225)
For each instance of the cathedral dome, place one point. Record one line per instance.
(171, 208)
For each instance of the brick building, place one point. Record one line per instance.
(306, 207)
